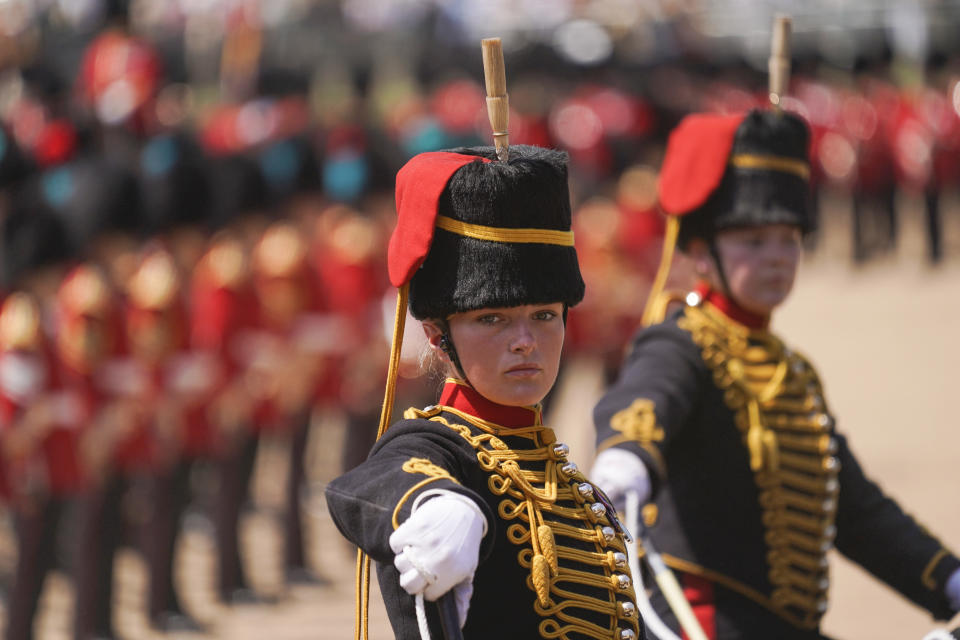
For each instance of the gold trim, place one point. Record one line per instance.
(560, 540)
(926, 578)
(782, 164)
(504, 234)
(406, 496)
(767, 386)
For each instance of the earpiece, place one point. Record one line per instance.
(444, 344)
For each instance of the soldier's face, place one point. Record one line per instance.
(510, 355)
(760, 264)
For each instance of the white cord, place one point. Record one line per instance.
(421, 617)
(649, 616)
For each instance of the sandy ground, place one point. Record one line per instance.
(885, 339)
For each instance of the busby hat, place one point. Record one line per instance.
(474, 233)
(237, 187)
(33, 237)
(727, 171)
(174, 183)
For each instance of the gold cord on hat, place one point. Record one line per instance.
(782, 164)
(505, 234)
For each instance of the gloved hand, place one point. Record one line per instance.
(438, 547)
(616, 472)
(953, 590)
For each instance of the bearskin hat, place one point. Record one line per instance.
(499, 236)
(722, 172)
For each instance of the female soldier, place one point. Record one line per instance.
(726, 428)
(474, 494)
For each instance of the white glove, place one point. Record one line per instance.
(953, 590)
(617, 472)
(438, 547)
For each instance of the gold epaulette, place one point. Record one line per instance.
(19, 322)
(280, 252)
(226, 262)
(155, 282)
(85, 292)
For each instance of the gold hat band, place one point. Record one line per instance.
(504, 234)
(771, 163)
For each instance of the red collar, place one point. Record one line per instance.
(466, 399)
(728, 307)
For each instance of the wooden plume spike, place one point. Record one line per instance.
(498, 103)
(779, 62)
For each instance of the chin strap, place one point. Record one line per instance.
(446, 345)
(712, 247)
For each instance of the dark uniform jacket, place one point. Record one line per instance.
(752, 483)
(568, 580)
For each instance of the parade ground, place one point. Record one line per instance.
(885, 340)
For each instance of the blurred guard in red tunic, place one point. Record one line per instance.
(115, 444)
(175, 190)
(222, 319)
(288, 363)
(36, 414)
(175, 385)
(347, 254)
(120, 441)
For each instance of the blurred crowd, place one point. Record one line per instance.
(195, 199)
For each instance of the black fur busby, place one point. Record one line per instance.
(33, 237)
(771, 185)
(462, 273)
(91, 196)
(237, 187)
(174, 183)
(290, 167)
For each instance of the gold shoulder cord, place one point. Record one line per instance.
(535, 501)
(779, 408)
(362, 595)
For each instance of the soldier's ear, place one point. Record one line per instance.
(434, 334)
(699, 252)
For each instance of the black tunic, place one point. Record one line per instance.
(752, 482)
(514, 470)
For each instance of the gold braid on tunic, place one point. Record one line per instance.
(779, 408)
(576, 558)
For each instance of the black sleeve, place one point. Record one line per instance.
(874, 532)
(370, 501)
(652, 400)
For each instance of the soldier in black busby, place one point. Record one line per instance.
(725, 429)
(474, 494)
(45, 473)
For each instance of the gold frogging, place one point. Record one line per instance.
(576, 560)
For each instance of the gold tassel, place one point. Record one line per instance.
(654, 311)
(540, 573)
(548, 547)
(755, 437)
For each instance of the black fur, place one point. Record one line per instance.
(751, 197)
(462, 274)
